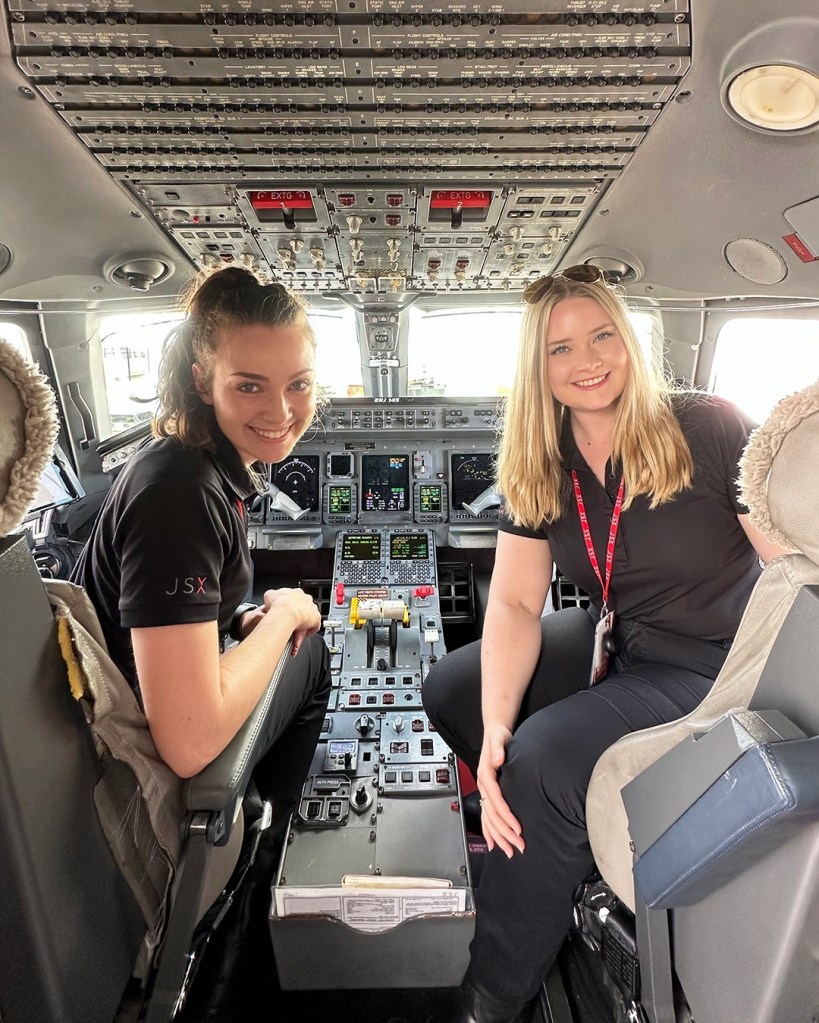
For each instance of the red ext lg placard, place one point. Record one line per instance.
(281, 199)
(449, 198)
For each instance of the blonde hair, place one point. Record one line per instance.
(648, 442)
(231, 297)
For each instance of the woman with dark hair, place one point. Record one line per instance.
(630, 486)
(168, 566)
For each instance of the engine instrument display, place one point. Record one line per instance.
(471, 475)
(430, 498)
(339, 500)
(385, 483)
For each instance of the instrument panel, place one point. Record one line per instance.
(383, 463)
(376, 462)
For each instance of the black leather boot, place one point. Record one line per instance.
(476, 1007)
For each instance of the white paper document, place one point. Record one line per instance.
(375, 909)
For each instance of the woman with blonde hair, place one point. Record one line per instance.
(168, 566)
(630, 487)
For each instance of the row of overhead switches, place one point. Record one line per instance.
(287, 255)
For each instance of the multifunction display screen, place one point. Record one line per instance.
(430, 498)
(471, 475)
(385, 483)
(361, 547)
(409, 547)
(339, 500)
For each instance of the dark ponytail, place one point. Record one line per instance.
(232, 297)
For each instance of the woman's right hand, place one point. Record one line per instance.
(499, 824)
(302, 609)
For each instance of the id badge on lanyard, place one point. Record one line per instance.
(603, 646)
(604, 630)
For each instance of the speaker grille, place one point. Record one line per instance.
(755, 261)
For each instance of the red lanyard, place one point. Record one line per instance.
(584, 522)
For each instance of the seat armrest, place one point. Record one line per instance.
(224, 780)
(670, 786)
(767, 792)
(210, 799)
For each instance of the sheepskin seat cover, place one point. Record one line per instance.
(780, 485)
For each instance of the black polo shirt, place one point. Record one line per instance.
(170, 544)
(686, 568)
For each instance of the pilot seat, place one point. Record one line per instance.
(707, 828)
(109, 861)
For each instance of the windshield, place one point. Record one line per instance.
(132, 349)
(473, 353)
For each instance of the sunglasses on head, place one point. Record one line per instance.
(584, 273)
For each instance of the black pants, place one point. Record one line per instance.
(524, 904)
(294, 725)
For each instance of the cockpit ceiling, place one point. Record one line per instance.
(360, 145)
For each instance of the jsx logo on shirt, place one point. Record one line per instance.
(190, 584)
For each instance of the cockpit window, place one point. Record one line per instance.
(132, 348)
(464, 354)
(338, 357)
(759, 360)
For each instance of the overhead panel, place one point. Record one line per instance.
(364, 145)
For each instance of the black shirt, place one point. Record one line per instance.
(170, 544)
(686, 568)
